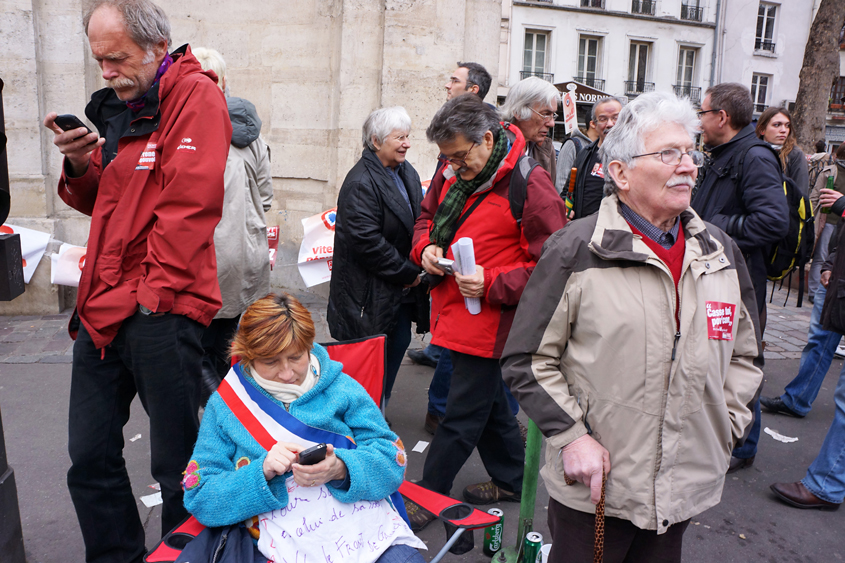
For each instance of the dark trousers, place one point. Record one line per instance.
(397, 343)
(216, 360)
(573, 539)
(159, 358)
(477, 415)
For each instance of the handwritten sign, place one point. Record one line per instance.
(720, 320)
(317, 528)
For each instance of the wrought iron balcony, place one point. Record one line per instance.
(592, 4)
(764, 45)
(548, 77)
(634, 88)
(691, 92)
(692, 13)
(597, 83)
(643, 7)
(760, 108)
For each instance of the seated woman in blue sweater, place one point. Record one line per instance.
(284, 396)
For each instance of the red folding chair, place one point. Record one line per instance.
(363, 360)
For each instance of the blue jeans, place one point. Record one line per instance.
(397, 343)
(438, 391)
(433, 351)
(826, 476)
(815, 361)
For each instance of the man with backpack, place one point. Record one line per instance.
(742, 193)
(570, 150)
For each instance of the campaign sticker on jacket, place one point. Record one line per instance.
(597, 170)
(148, 158)
(720, 320)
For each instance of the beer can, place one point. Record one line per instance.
(531, 548)
(493, 534)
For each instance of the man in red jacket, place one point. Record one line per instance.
(470, 198)
(152, 182)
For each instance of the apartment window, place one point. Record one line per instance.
(592, 4)
(837, 94)
(691, 11)
(638, 68)
(643, 7)
(534, 55)
(685, 75)
(764, 40)
(589, 52)
(759, 92)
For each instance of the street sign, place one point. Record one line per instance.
(582, 93)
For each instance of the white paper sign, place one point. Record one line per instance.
(570, 118)
(314, 526)
(317, 248)
(33, 245)
(66, 266)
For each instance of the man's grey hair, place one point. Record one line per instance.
(647, 113)
(146, 23)
(526, 94)
(464, 115)
(382, 122)
(602, 101)
(735, 100)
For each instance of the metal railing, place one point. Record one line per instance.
(548, 77)
(643, 7)
(692, 13)
(597, 83)
(760, 108)
(592, 4)
(764, 45)
(634, 88)
(691, 92)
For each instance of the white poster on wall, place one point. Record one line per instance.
(33, 245)
(317, 248)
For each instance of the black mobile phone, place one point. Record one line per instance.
(68, 122)
(312, 455)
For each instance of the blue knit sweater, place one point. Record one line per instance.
(228, 461)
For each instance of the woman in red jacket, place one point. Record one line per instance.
(470, 198)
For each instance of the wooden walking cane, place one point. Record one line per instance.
(598, 546)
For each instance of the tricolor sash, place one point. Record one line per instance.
(314, 526)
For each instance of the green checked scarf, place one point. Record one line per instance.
(447, 215)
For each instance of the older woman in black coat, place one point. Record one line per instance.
(375, 288)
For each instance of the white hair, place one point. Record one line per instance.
(528, 93)
(647, 113)
(211, 59)
(382, 122)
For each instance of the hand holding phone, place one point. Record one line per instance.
(74, 140)
(313, 455)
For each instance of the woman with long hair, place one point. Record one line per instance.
(775, 127)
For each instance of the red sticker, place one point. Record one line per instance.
(720, 320)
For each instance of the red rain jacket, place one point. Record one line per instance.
(155, 206)
(505, 249)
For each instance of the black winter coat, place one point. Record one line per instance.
(755, 214)
(833, 313)
(581, 162)
(373, 234)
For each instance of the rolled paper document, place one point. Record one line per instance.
(464, 253)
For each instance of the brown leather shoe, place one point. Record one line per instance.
(738, 463)
(488, 493)
(432, 421)
(798, 495)
(418, 516)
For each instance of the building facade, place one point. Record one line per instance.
(313, 68)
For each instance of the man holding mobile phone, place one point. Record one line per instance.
(151, 179)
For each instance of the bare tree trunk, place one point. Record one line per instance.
(820, 68)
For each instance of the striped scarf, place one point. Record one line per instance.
(444, 223)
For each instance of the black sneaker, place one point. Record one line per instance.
(776, 405)
(420, 357)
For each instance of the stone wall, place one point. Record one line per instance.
(313, 68)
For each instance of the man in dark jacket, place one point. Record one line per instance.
(589, 180)
(747, 203)
(153, 186)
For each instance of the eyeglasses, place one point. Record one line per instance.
(459, 162)
(673, 157)
(703, 111)
(545, 115)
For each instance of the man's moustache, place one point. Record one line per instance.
(120, 83)
(684, 180)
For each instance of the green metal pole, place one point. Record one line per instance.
(512, 554)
